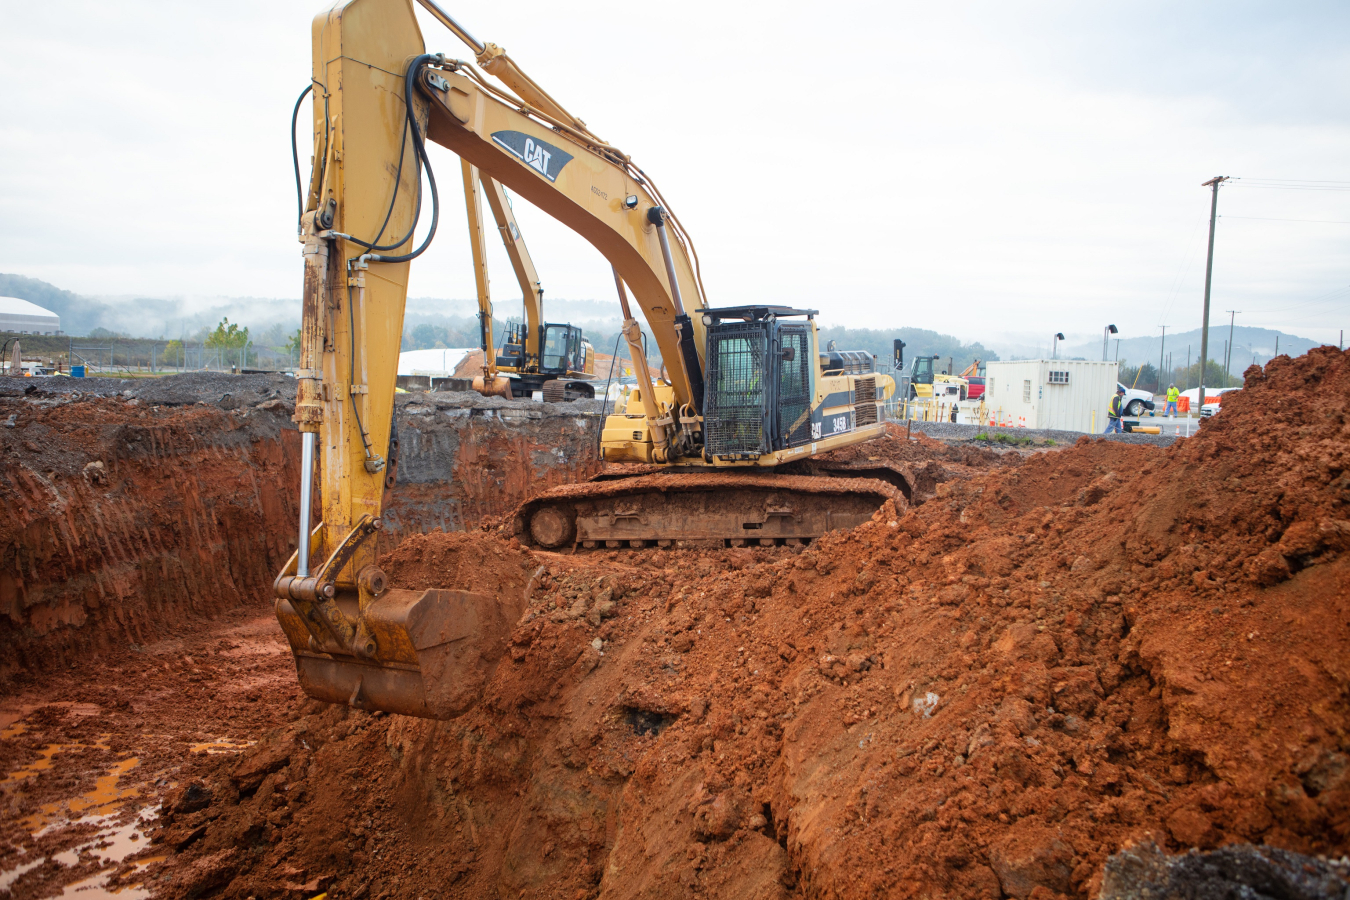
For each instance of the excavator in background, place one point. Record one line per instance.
(722, 447)
(974, 377)
(554, 359)
(927, 381)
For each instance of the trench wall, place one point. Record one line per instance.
(128, 518)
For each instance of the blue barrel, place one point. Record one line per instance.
(77, 371)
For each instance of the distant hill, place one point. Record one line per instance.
(1249, 342)
(79, 315)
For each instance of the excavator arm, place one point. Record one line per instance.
(377, 98)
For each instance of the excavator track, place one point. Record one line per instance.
(699, 509)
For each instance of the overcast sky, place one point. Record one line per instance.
(999, 171)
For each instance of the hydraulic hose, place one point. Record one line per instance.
(420, 149)
(295, 155)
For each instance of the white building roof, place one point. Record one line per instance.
(437, 363)
(13, 306)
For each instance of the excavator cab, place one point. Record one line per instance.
(564, 350)
(760, 382)
(921, 377)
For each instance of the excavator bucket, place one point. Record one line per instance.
(433, 653)
(496, 386)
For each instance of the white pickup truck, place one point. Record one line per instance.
(1136, 401)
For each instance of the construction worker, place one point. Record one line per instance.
(1114, 412)
(1172, 396)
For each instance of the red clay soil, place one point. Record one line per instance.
(124, 521)
(985, 696)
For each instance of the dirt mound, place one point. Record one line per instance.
(986, 696)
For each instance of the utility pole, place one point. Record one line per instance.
(1161, 347)
(1228, 360)
(1209, 271)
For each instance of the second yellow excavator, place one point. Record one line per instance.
(723, 448)
(552, 358)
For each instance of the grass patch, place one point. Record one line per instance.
(1005, 439)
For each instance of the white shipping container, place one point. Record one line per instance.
(1060, 394)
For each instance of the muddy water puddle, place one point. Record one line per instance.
(82, 808)
(113, 842)
(88, 756)
(105, 832)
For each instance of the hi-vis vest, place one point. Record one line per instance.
(1172, 395)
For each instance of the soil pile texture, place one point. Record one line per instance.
(125, 520)
(986, 695)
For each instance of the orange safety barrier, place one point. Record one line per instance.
(1184, 404)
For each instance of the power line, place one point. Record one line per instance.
(1181, 269)
(1332, 297)
(1269, 219)
(1294, 187)
(1292, 180)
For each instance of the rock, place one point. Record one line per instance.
(1190, 827)
(1016, 712)
(1016, 641)
(229, 401)
(1030, 857)
(194, 796)
(210, 873)
(1044, 648)
(1267, 568)
(1144, 872)
(253, 768)
(586, 662)
(718, 820)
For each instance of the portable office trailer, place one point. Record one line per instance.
(1063, 394)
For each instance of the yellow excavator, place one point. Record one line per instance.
(723, 446)
(551, 358)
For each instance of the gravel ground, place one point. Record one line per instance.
(946, 431)
(475, 400)
(169, 390)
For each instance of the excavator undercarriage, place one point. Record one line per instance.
(666, 509)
